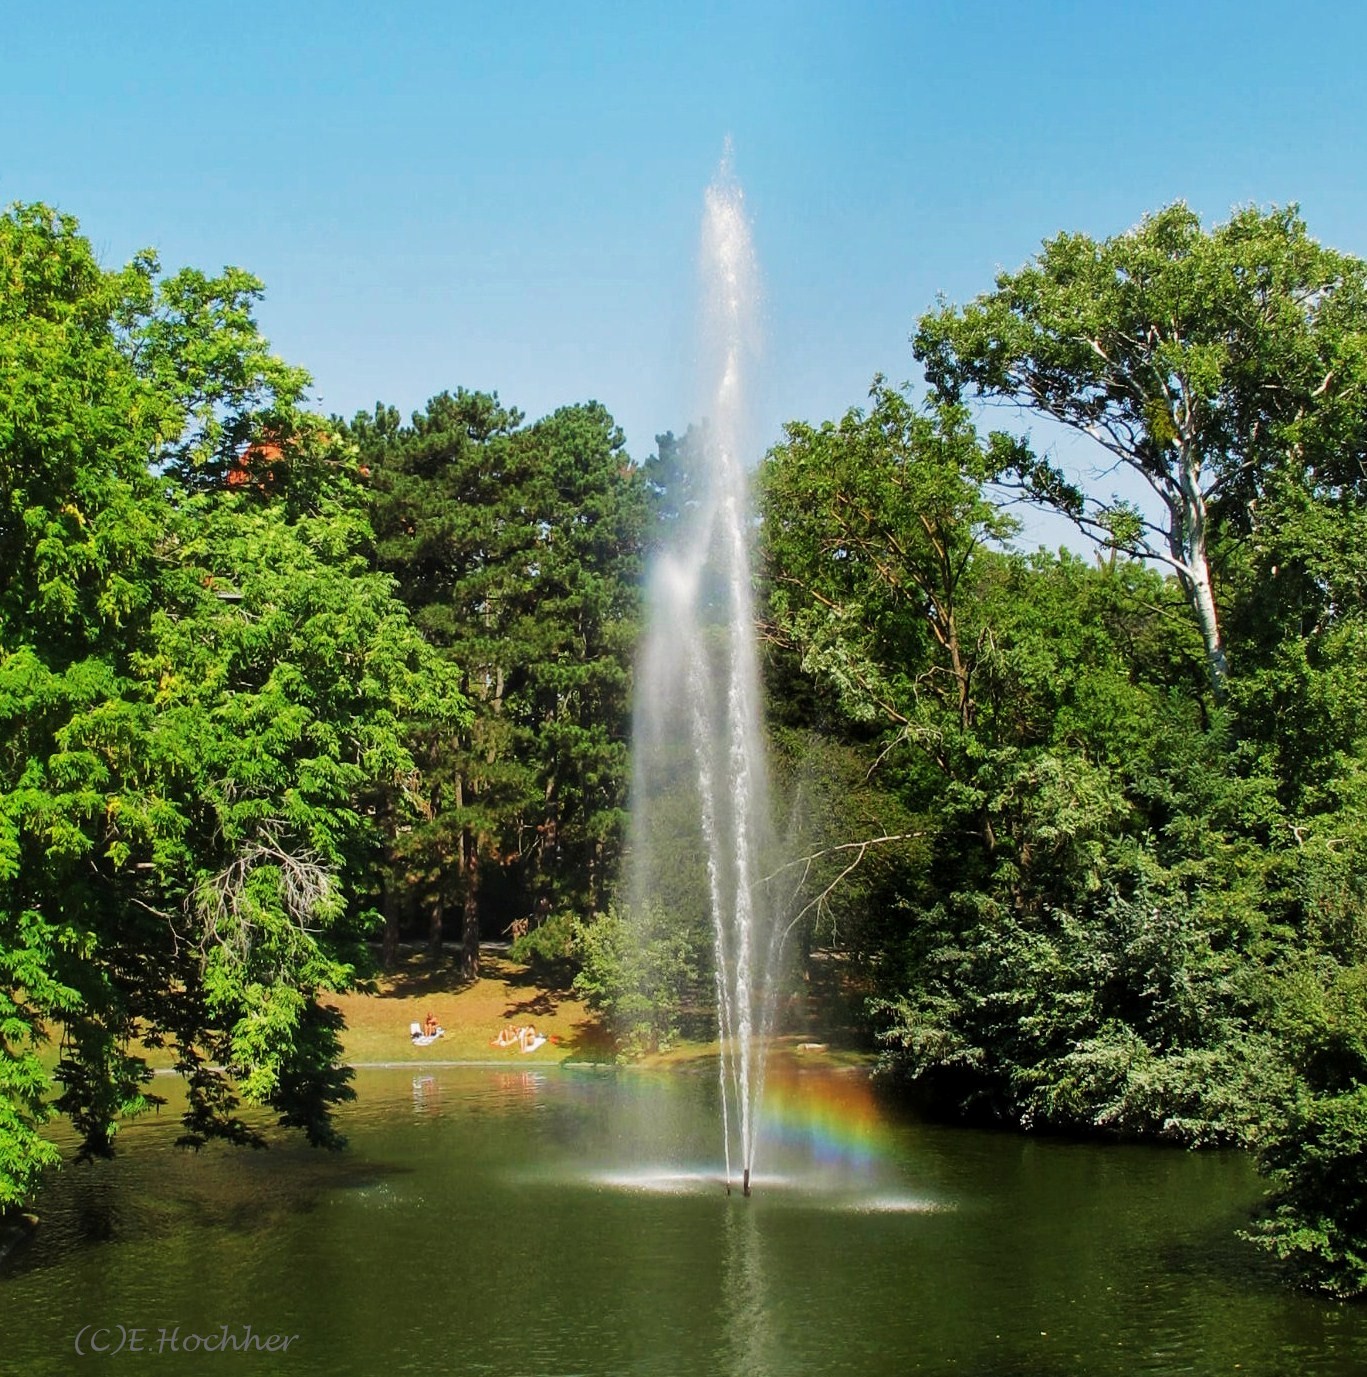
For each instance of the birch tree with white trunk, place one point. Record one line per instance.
(1203, 360)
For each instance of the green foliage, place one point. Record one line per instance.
(640, 970)
(1120, 889)
(1129, 1016)
(1208, 361)
(1316, 1152)
(26, 988)
(517, 548)
(548, 950)
(834, 892)
(1092, 837)
(200, 682)
(870, 530)
(668, 477)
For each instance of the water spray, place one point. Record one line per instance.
(698, 694)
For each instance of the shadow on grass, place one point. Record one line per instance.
(547, 984)
(590, 1041)
(417, 975)
(542, 1004)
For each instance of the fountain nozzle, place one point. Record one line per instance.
(745, 1183)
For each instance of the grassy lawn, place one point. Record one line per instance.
(817, 1030)
(471, 1012)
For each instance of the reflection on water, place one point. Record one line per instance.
(426, 1094)
(807, 1191)
(560, 1221)
(749, 1330)
(660, 1181)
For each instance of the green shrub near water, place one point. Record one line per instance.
(641, 970)
(1315, 1150)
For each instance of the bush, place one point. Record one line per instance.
(1125, 1017)
(640, 971)
(549, 950)
(1315, 1153)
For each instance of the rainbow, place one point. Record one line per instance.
(832, 1118)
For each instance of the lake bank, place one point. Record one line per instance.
(506, 992)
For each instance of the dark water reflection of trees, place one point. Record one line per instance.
(574, 1221)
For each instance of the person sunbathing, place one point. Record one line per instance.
(507, 1035)
(429, 1026)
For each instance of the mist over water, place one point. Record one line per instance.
(700, 817)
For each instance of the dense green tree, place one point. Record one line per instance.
(668, 476)
(1051, 963)
(517, 548)
(1136, 914)
(870, 532)
(1206, 361)
(579, 620)
(1228, 369)
(641, 971)
(1315, 1153)
(196, 686)
(449, 529)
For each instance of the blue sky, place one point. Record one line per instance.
(507, 196)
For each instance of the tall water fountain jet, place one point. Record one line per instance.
(701, 794)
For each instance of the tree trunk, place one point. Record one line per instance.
(595, 869)
(550, 836)
(434, 929)
(469, 956)
(389, 952)
(1203, 603)
(1187, 541)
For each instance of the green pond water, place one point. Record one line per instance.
(558, 1221)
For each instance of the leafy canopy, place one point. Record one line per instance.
(197, 687)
